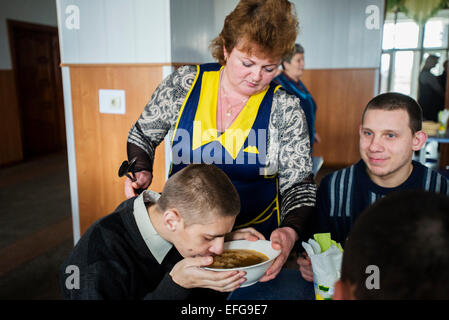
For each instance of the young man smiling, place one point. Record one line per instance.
(389, 135)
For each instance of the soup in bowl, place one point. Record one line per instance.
(253, 257)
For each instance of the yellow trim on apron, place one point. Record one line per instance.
(276, 89)
(256, 219)
(205, 123)
(276, 208)
(277, 202)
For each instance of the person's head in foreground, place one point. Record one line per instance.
(255, 37)
(197, 208)
(389, 135)
(398, 249)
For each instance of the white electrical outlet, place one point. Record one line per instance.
(112, 101)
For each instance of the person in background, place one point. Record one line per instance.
(290, 79)
(443, 76)
(430, 91)
(231, 115)
(398, 249)
(389, 135)
(153, 246)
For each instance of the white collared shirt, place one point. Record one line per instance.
(158, 246)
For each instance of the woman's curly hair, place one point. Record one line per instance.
(271, 25)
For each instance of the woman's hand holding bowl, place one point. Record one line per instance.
(281, 239)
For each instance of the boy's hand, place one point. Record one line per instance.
(305, 267)
(250, 234)
(188, 274)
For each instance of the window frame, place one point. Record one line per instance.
(419, 48)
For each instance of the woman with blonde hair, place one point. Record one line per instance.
(232, 115)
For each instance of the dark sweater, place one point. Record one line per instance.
(115, 263)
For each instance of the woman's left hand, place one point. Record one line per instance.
(281, 239)
(250, 234)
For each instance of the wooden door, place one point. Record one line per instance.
(35, 56)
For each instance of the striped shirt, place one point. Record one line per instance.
(344, 194)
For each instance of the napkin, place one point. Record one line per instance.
(326, 256)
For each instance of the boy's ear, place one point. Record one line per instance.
(419, 139)
(343, 291)
(171, 219)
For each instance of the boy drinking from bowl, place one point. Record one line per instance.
(154, 246)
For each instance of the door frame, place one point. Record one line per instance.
(12, 26)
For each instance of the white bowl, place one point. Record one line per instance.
(256, 271)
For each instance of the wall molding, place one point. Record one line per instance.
(121, 65)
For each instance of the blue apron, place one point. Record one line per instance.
(240, 151)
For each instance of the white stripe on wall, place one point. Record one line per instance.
(66, 86)
(166, 71)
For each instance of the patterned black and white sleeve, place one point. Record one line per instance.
(158, 117)
(294, 163)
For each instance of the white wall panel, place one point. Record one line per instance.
(116, 31)
(222, 9)
(120, 30)
(68, 39)
(195, 23)
(152, 27)
(71, 158)
(193, 27)
(92, 35)
(334, 34)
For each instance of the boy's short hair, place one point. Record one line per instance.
(199, 190)
(405, 235)
(397, 101)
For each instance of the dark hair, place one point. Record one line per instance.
(397, 101)
(199, 190)
(272, 25)
(298, 49)
(406, 235)
(431, 61)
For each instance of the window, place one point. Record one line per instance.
(436, 33)
(406, 45)
(402, 73)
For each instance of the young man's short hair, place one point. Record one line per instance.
(397, 101)
(199, 190)
(406, 236)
